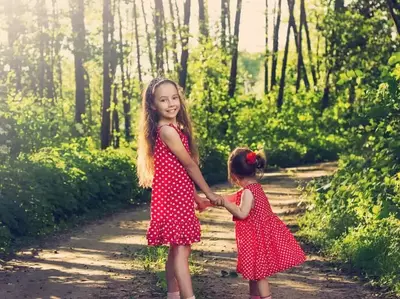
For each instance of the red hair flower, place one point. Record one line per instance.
(251, 158)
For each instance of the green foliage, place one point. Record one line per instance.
(355, 214)
(153, 260)
(213, 161)
(45, 191)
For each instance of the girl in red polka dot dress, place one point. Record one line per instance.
(167, 163)
(265, 245)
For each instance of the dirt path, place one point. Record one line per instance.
(92, 263)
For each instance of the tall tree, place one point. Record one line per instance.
(275, 45)
(45, 75)
(228, 24)
(13, 11)
(124, 85)
(394, 9)
(178, 19)
(56, 45)
(115, 130)
(77, 9)
(139, 65)
(235, 52)
(148, 39)
(185, 43)
(284, 64)
(165, 39)
(301, 67)
(224, 16)
(266, 59)
(174, 40)
(203, 18)
(331, 65)
(158, 24)
(299, 40)
(105, 121)
(310, 56)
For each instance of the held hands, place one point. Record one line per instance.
(201, 203)
(215, 199)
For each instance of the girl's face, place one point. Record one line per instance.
(166, 102)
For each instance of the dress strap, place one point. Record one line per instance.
(169, 125)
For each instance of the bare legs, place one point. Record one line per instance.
(177, 271)
(259, 288)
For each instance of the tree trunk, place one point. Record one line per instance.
(185, 48)
(178, 18)
(352, 92)
(276, 45)
(299, 40)
(42, 43)
(235, 52)
(317, 51)
(223, 23)
(54, 51)
(158, 24)
(125, 93)
(148, 38)
(396, 17)
(292, 23)
(13, 12)
(78, 28)
(139, 65)
(339, 5)
(203, 19)
(305, 23)
(174, 40)
(283, 74)
(114, 86)
(105, 122)
(325, 97)
(228, 24)
(57, 39)
(266, 50)
(46, 78)
(165, 39)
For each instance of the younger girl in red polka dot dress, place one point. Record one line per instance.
(167, 163)
(265, 245)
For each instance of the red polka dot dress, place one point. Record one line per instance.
(264, 243)
(173, 218)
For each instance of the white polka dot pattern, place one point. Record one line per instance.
(173, 218)
(264, 243)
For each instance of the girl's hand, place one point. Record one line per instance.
(215, 198)
(201, 203)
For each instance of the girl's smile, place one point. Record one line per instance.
(167, 101)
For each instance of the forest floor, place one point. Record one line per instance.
(100, 260)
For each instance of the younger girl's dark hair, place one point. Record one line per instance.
(243, 162)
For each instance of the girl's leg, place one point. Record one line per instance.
(263, 288)
(172, 284)
(181, 269)
(254, 294)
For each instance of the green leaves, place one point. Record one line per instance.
(42, 192)
(394, 59)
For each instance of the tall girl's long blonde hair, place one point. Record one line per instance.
(148, 130)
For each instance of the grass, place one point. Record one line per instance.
(153, 260)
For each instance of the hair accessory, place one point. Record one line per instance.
(153, 83)
(251, 158)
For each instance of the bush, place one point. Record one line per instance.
(213, 163)
(45, 191)
(354, 215)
